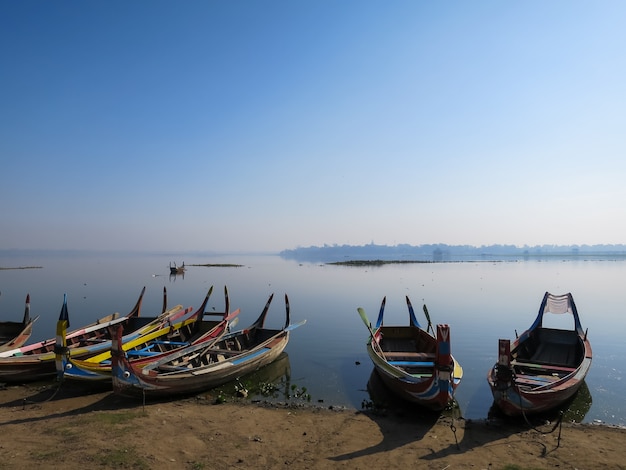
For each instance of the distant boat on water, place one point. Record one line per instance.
(177, 269)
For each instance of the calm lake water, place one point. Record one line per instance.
(482, 302)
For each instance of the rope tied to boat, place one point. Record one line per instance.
(558, 423)
(26, 401)
(455, 409)
(506, 380)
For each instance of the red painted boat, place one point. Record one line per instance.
(543, 367)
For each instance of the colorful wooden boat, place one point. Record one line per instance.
(152, 346)
(37, 361)
(412, 362)
(14, 334)
(203, 366)
(543, 367)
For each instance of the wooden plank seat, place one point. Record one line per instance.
(534, 379)
(533, 365)
(416, 356)
(412, 363)
(174, 368)
(187, 362)
(147, 351)
(225, 352)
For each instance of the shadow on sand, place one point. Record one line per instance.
(101, 398)
(497, 427)
(402, 423)
(33, 396)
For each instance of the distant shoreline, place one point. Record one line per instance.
(218, 265)
(378, 262)
(360, 255)
(21, 267)
(381, 262)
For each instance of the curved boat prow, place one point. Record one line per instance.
(381, 313)
(443, 358)
(60, 348)
(412, 318)
(26, 319)
(444, 364)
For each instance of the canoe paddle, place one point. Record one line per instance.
(369, 327)
(293, 326)
(430, 325)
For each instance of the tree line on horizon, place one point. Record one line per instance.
(444, 252)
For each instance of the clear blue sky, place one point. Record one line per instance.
(266, 125)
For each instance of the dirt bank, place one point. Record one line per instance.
(100, 430)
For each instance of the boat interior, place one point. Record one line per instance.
(554, 347)
(546, 356)
(402, 348)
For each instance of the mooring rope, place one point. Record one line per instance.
(455, 407)
(26, 401)
(558, 422)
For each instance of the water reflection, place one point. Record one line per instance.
(270, 383)
(381, 398)
(580, 405)
(174, 276)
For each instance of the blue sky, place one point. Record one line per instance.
(267, 125)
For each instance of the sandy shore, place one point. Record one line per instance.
(74, 429)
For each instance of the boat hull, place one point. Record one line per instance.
(544, 367)
(515, 402)
(197, 380)
(434, 391)
(27, 369)
(203, 366)
(414, 364)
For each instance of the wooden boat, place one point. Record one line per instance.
(152, 346)
(177, 269)
(543, 367)
(37, 361)
(412, 362)
(203, 366)
(14, 334)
